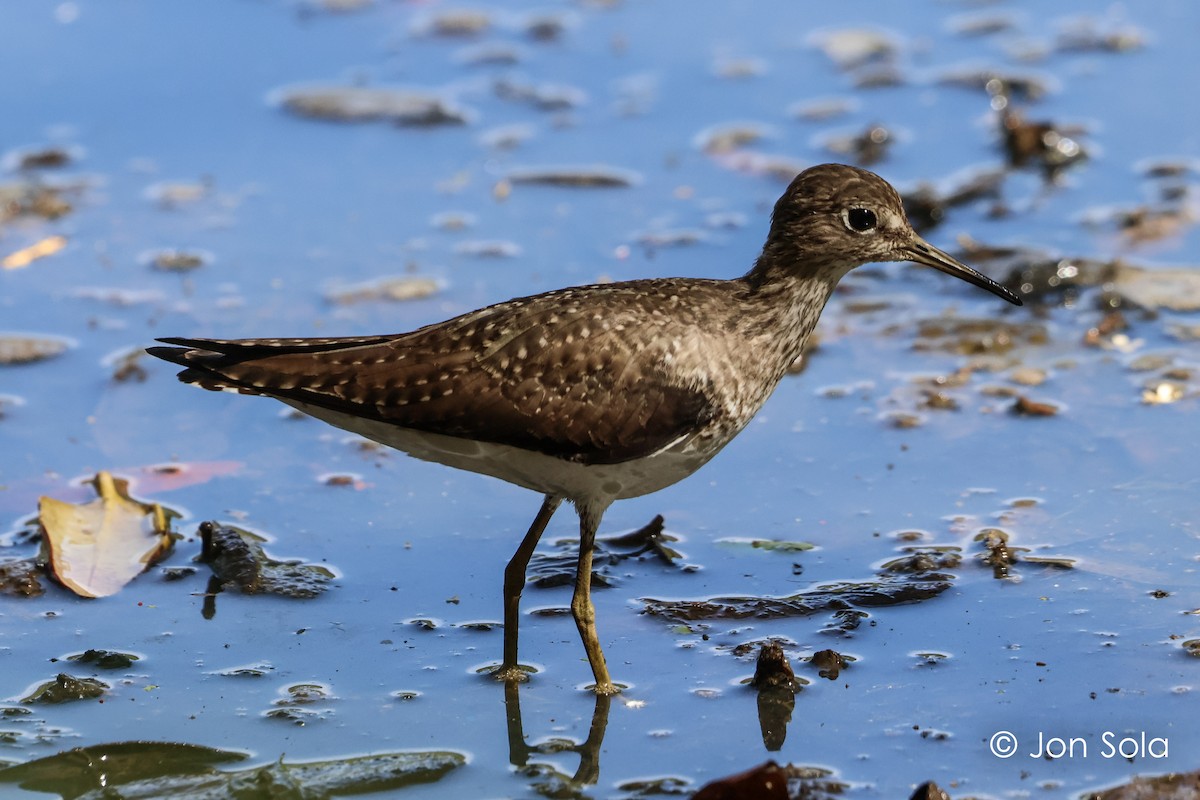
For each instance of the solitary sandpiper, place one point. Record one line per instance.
(590, 394)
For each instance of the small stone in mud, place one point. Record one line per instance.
(929, 791)
(829, 663)
(927, 207)
(128, 366)
(173, 260)
(1028, 376)
(1163, 393)
(939, 401)
(850, 48)
(31, 200)
(823, 109)
(1002, 86)
(772, 668)
(588, 177)
(1086, 35)
(105, 659)
(488, 248)
(238, 561)
(976, 336)
(931, 659)
(1032, 408)
(457, 23)
(727, 138)
(1038, 143)
(765, 782)
(903, 420)
(999, 556)
(20, 578)
(66, 688)
(30, 349)
(366, 104)
(50, 157)
(985, 24)
(546, 27)
(865, 148)
(925, 560)
(392, 289)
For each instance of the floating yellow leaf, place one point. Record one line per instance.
(26, 256)
(98, 547)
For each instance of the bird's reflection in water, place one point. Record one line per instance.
(774, 681)
(521, 753)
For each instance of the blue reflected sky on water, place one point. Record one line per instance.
(159, 94)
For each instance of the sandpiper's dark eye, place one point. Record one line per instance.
(861, 219)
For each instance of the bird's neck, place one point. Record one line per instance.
(783, 300)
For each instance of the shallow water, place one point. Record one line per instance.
(172, 117)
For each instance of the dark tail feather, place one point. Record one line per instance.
(202, 366)
(257, 348)
(207, 362)
(176, 355)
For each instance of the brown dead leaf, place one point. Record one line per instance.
(96, 548)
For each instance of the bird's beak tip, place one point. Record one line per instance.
(921, 252)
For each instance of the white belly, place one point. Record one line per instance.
(542, 473)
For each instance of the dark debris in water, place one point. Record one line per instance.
(999, 83)
(926, 206)
(1001, 556)
(21, 578)
(66, 688)
(164, 769)
(886, 590)
(396, 288)
(767, 781)
(1088, 35)
(1171, 786)
(650, 538)
(17, 349)
(548, 570)
(929, 791)
(238, 561)
(865, 148)
(176, 260)
(594, 176)
(32, 200)
(105, 659)
(925, 559)
(1026, 407)
(302, 704)
(973, 336)
(729, 137)
(773, 669)
(542, 96)
(35, 158)
(829, 663)
(1045, 145)
(370, 104)
(456, 23)
(1038, 276)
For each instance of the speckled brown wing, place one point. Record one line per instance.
(554, 374)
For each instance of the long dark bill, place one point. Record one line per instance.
(922, 252)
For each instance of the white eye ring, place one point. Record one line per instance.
(860, 220)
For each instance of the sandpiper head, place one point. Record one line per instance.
(835, 217)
